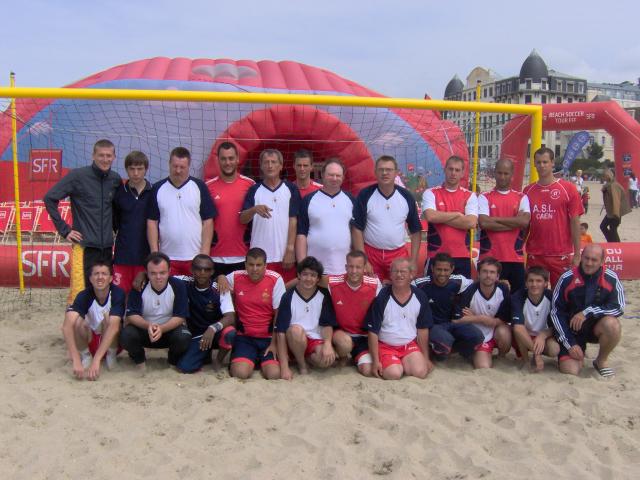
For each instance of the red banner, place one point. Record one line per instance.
(50, 265)
(45, 165)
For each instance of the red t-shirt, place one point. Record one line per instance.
(312, 187)
(506, 245)
(229, 232)
(552, 208)
(351, 305)
(256, 302)
(440, 236)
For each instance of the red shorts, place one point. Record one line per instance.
(180, 267)
(94, 344)
(380, 260)
(286, 274)
(123, 275)
(487, 346)
(312, 343)
(556, 265)
(393, 355)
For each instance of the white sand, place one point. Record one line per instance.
(457, 424)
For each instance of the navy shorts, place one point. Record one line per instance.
(584, 336)
(251, 350)
(194, 358)
(360, 347)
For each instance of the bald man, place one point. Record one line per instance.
(503, 215)
(587, 303)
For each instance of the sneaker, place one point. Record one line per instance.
(110, 359)
(86, 358)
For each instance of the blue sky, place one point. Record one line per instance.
(401, 48)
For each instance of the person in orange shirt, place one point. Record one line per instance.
(584, 236)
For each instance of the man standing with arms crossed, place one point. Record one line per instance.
(379, 217)
(451, 212)
(91, 191)
(180, 215)
(228, 191)
(272, 206)
(554, 229)
(503, 214)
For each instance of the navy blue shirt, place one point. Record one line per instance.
(130, 224)
(442, 299)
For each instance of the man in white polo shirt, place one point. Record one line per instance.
(155, 317)
(272, 206)
(180, 215)
(323, 222)
(379, 217)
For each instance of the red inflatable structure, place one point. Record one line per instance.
(607, 116)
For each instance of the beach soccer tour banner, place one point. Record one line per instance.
(49, 266)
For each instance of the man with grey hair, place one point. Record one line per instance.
(272, 207)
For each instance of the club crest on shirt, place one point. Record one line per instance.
(555, 194)
(266, 297)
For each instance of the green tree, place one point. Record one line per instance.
(595, 151)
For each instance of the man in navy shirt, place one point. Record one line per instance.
(155, 317)
(442, 288)
(92, 322)
(211, 318)
(129, 222)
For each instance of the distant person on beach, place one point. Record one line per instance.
(587, 303)
(257, 292)
(90, 190)
(155, 317)
(451, 211)
(553, 240)
(615, 206)
(351, 294)
(92, 322)
(585, 199)
(633, 191)
(503, 215)
(398, 324)
(305, 322)
(585, 237)
(531, 321)
(443, 287)
(486, 305)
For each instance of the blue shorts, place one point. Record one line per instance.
(251, 350)
(194, 358)
(583, 336)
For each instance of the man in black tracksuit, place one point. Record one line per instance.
(91, 191)
(587, 302)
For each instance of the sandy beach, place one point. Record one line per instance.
(457, 424)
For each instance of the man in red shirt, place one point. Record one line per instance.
(553, 241)
(503, 215)
(228, 191)
(303, 164)
(352, 293)
(451, 211)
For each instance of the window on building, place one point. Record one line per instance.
(491, 91)
(474, 96)
(570, 100)
(484, 92)
(489, 151)
(544, 84)
(558, 99)
(527, 84)
(543, 99)
(527, 99)
(604, 141)
(570, 87)
(581, 87)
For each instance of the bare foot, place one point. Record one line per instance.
(141, 369)
(341, 361)
(537, 364)
(304, 370)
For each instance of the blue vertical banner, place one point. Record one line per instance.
(574, 147)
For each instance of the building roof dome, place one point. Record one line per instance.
(534, 68)
(454, 87)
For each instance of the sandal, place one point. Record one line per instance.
(605, 372)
